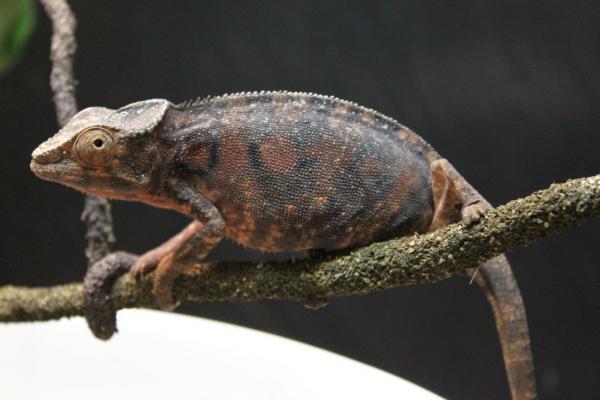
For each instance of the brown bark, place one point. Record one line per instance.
(405, 261)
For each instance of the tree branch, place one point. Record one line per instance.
(96, 212)
(62, 51)
(405, 261)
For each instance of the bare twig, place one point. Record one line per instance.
(405, 261)
(99, 233)
(62, 51)
(96, 213)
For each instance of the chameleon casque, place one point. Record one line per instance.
(278, 171)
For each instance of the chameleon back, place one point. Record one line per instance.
(294, 171)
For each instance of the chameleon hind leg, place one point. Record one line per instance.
(186, 250)
(452, 195)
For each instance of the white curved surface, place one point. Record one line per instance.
(164, 356)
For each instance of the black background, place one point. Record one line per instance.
(507, 91)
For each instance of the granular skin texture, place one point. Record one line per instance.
(293, 172)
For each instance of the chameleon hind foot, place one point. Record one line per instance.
(167, 271)
(147, 262)
(160, 260)
(178, 255)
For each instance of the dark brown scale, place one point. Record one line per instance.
(297, 171)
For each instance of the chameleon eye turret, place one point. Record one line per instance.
(94, 146)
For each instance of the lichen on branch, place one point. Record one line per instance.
(404, 261)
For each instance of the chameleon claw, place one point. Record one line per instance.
(473, 213)
(166, 273)
(157, 260)
(146, 263)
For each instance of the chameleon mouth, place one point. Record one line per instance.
(40, 170)
(53, 172)
(96, 183)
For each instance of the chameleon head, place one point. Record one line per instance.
(102, 151)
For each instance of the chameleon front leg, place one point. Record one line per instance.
(186, 249)
(452, 193)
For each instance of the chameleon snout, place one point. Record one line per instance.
(42, 161)
(42, 155)
(45, 160)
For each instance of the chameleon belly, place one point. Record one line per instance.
(297, 171)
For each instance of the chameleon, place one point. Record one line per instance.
(278, 171)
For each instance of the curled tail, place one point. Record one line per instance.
(455, 199)
(496, 279)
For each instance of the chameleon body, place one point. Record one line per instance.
(278, 171)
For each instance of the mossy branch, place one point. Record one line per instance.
(405, 261)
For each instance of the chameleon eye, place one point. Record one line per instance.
(94, 146)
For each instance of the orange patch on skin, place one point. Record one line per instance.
(241, 232)
(291, 209)
(321, 201)
(233, 152)
(333, 160)
(278, 154)
(402, 134)
(397, 197)
(275, 233)
(368, 116)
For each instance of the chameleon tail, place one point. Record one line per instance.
(455, 199)
(99, 311)
(496, 279)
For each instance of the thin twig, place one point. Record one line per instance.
(62, 51)
(405, 261)
(96, 213)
